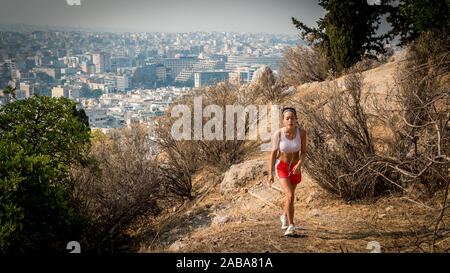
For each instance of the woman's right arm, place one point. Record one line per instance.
(273, 155)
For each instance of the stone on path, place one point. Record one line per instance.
(240, 175)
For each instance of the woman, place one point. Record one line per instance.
(289, 140)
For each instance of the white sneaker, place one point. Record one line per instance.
(284, 222)
(290, 230)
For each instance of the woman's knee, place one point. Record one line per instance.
(289, 197)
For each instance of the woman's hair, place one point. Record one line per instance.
(289, 109)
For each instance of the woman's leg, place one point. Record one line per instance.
(289, 190)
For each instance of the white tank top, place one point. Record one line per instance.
(285, 145)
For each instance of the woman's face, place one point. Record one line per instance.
(289, 119)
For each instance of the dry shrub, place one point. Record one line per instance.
(178, 159)
(364, 65)
(266, 87)
(340, 144)
(344, 158)
(124, 189)
(301, 65)
(420, 144)
(194, 154)
(419, 123)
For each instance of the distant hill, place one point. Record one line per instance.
(30, 28)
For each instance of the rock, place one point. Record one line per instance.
(240, 174)
(177, 246)
(291, 91)
(260, 72)
(315, 213)
(311, 197)
(220, 219)
(400, 55)
(307, 84)
(381, 216)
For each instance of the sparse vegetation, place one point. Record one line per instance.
(301, 65)
(218, 152)
(267, 87)
(121, 190)
(340, 141)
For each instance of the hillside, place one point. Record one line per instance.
(247, 219)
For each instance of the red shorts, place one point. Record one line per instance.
(284, 170)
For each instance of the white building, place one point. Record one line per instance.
(102, 62)
(122, 83)
(60, 91)
(97, 117)
(209, 77)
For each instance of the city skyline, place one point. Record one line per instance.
(165, 16)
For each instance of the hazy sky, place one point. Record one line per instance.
(165, 15)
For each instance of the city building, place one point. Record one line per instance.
(28, 88)
(235, 62)
(209, 77)
(102, 62)
(60, 91)
(123, 83)
(177, 65)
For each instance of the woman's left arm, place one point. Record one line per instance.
(302, 153)
(303, 148)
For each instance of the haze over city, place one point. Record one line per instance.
(259, 16)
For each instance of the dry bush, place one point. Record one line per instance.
(178, 159)
(301, 65)
(419, 147)
(346, 159)
(124, 189)
(340, 143)
(266, 87)
(364, 65)
(195, 154)
(388, 56)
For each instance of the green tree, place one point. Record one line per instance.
(85, 91)
(39, 139)
(410, 18)
(347, 31)
(10, 92)
(45, 77)
(96, 93)
(81, 115)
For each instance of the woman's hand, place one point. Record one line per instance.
(270, 181)
(297, 167)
